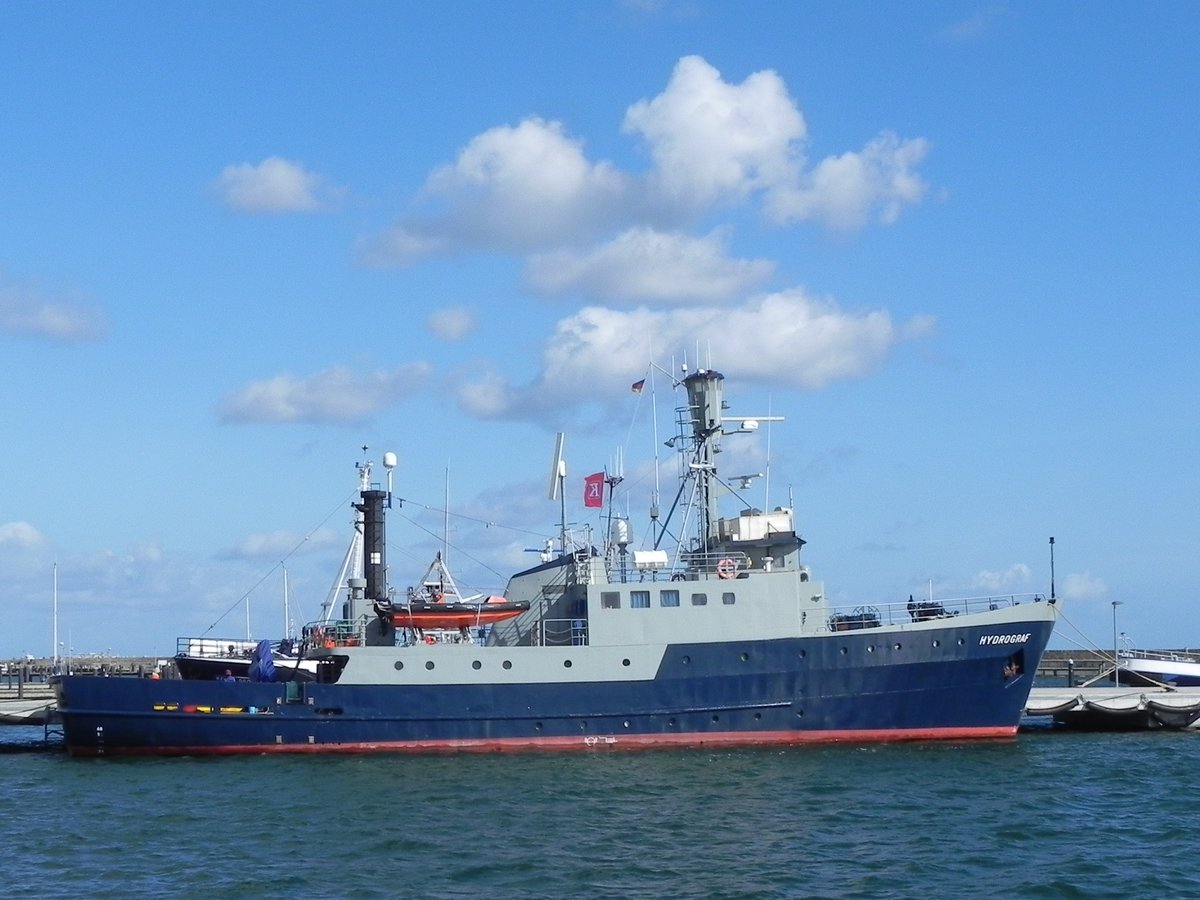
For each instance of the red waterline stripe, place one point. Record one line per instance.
(580, 743)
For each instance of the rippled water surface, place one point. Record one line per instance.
(1050, 814)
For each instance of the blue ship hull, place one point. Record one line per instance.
(868, 685)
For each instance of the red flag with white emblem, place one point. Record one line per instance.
(593, 490)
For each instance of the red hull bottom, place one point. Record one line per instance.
(584, 743)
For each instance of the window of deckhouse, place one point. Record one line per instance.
(639, 599)
(668, 598)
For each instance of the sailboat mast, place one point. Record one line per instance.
(286, 616)
(55, 647)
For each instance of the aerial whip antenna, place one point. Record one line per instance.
(558, 474)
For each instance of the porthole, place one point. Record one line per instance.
(799, 714)
(566, 664)
(507, 664)
(397, 665)
(843, 651)
(802, 654)
(716, 718)
(625, 662)
(687, 660)
(896, 646)
(671, 722)
(537, 726)
(961, 641)
(626, 723)
(757, 716)
(870, 648)
(476, 664)
(936, 642)
(745, 657)
(429, 664)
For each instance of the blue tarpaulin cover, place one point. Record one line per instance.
(262, 663)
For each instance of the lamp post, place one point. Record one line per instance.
(1116, 659)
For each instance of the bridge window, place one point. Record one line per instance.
(668, 598)
(639, 599)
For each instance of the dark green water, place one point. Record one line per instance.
(1050, 814)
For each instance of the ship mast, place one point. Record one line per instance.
(701, 426)
(704, 391)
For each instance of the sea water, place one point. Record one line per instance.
(1048, 814)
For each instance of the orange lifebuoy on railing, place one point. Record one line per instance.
(726, 569)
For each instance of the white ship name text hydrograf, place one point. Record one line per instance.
(988, 639)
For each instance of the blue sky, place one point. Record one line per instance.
(954, 245)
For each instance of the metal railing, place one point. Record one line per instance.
(228, 648)
(847, 618)
(562, 632)
(336, 633)
(1186, 656)
(687, 566)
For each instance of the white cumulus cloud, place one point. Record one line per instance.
(20, 535)
(713, 144)
(788, 337)
(273, 185)
(644, 265)
(335, 395)
(713, 141)
(846, 191)
(1015, 576)
(511, 188)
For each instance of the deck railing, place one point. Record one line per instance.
(228, 648)
(854, 618)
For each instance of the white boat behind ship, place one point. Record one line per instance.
(1170, 667)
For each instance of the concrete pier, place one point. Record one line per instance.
(27, 704)
(1116, 708)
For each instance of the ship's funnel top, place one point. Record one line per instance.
(374, 543)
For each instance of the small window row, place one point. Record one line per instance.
(667, 597)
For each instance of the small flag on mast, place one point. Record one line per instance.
(637, 386)
(593, 490)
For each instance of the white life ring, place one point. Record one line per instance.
(726, 569)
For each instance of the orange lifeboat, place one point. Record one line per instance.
(456, 615)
